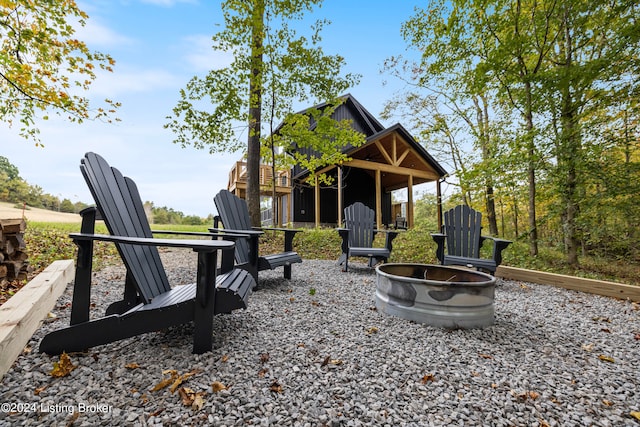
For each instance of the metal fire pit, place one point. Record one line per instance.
(436, 295)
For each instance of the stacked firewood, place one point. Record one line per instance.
(13, 260)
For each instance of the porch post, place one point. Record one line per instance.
(410, 202)
(378, 200)
(340, 196)
(317, 194)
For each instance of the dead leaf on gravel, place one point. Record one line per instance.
(372, 330)
(63, 367)
(606, 358)
(606, 402)
(133, 365)
(166, 381)
(224, 358)
(217, 386)
(264, 357)
(428, 378)
(262, 372)
(40, 390)
(181, 379)
(485, 356)
(326, 360)
(275, 387)
(191, 398)
(635, 414)
(587, 347)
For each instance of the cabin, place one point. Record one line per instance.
(390, 159)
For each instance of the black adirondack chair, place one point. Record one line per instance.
(358, 234)
(149, 302)
(462, 233)
(234, 215)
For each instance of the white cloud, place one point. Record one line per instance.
(201, 56)
(125, 81)
(97, 35)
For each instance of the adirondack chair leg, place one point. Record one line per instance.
(439, 239)
(82, 283)
(205, 302)
(130, 300)
(499, 246)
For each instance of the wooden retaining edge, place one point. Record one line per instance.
(598, 287)
(21, 315)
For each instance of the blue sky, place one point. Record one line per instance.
(158, 46)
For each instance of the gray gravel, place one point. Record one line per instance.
(313, 351)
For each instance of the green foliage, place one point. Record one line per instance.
(559, 83)
(42, 64)
(48, 242)
(272, 66)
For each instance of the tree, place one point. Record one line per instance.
(43, 67)
(272, 66)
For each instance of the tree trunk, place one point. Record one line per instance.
(255, 109)
(531, 172)
(570, 150)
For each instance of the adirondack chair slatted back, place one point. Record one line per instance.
(234, 214)
(360, 220)
(119, 202)
(462, 226)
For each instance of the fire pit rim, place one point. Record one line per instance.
(379, 270)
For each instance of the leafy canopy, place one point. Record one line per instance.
(43, 67)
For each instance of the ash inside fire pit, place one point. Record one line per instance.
(437, 295)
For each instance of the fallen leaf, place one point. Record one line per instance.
(605, 330)
(485, 356)
(522, 397)
(40, 390)
(607, 402)
(157, 412)
(264, 357)
(428, 378)
(372, 330)
(224, 358)
(336, 362)
(166, 381)
(198, 402)
(180, 380)
(315, 303)
(132, 366)
(635, 414)
(218, 386)
(292, 299)
(275, 387)
(543, 423)
(262, 372)
(606, 358)
(326, 360)
(63, 367)
(187, 395)
(587, 347)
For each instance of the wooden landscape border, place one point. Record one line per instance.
(21, 315)
(598, 287)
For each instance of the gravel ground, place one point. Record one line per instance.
(314, 351)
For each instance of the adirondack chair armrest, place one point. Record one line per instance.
(439, 238)
(229, 231)
(232, 236)
(498, 246)
(289, 234)
(390, 235)
(196, 245)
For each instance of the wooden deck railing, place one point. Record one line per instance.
(238, 174)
